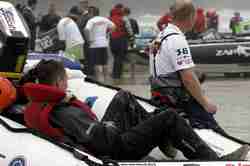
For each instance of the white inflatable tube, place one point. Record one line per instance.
(25, 149)
(220, 144)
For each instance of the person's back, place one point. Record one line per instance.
(135, 26)
(85, 15)
(117, 19)
(20, 7)
(69, 32)
(30, 18)
(98, 27)
(174, 34)
(200, 22)
(97, 35)
(212, 19)
(234, 22)
(50, 20)
(119, 40)
(84, 18)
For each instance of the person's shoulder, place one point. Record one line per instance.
(62, 20)
(172, 31)
(91, 19)
(106, 19)
(65, 21)
(125, 18)
(96, 18)
(56, 16)
(132, 19)
(172, 34)
(45, 15)
(99, 19)
(69, 20)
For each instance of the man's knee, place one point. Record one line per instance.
(168, 115)
(122, 96)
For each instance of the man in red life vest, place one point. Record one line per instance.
(200, 21)
(119, 39)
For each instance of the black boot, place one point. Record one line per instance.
(237, 155)
(192, 146)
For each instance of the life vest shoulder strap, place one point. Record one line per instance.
(168, 35)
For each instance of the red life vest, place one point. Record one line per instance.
(200, 22)
(43, 99)
(117, 19)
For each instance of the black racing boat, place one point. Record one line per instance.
(213, 52)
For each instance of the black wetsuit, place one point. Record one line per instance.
(133, 132)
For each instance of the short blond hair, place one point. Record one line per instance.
(183, 10)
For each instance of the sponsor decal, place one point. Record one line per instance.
(239, 51)
(182, 51)
(179, 62)
(46, 42)
(138, 164)
(237, 164)
(184, 59)
(90, 101)
(8, 16)
(183, 56)
(18, 161)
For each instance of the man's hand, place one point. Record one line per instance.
(211, 108)
(193, 86)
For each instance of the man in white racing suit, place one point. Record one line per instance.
(173, 82)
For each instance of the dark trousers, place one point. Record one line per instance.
(32, 43)
(200, 118)
(197, 115)
(88, 62)
(119, 48)
(142, 131)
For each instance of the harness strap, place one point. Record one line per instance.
(163, 99)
